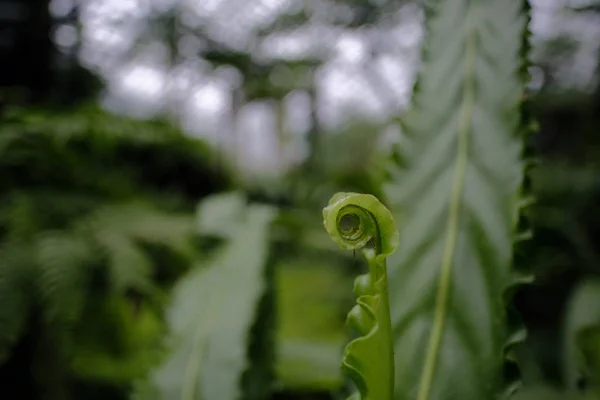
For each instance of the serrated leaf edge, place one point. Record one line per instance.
(528, 126)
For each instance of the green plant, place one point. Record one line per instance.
(360, 221)
(457, 194)
(96, 224)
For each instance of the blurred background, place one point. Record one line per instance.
(138, 136)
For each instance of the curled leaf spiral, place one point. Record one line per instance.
(360, 221)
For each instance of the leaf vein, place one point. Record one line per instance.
(443, 292)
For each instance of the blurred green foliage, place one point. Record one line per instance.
(311, 298)
(96, 223)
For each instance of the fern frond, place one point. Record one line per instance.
(119, 230)
(63, 268)
(128, 266)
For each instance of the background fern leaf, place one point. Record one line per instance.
(64, 269)
(212, 311)
(457, 194)
(120, 229)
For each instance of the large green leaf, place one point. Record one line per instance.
(456, 193)
(212, 312)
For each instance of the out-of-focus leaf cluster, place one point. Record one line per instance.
(96, 223)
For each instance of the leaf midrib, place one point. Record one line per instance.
(443, 292)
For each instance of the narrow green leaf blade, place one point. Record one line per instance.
(457, 195)
(212, 312)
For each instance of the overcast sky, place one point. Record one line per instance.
(138, 82)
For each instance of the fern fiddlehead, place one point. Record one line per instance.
(360, 221)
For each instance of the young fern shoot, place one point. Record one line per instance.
(360, 221)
